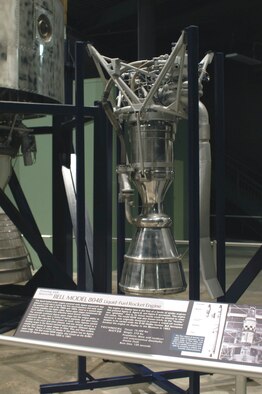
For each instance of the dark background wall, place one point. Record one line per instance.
(132, 29)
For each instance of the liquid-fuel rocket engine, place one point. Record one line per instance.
(152, 98)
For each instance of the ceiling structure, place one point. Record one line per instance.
(113, 26)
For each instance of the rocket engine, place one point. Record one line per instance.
(152, 99)
(31, 69)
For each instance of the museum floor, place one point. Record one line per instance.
(23, 370)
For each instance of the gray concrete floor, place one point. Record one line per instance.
(23, 370)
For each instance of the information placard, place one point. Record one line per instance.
(188, 329)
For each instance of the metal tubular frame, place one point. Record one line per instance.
(253, 267)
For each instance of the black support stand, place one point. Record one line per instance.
(193, 162)
(102, 203)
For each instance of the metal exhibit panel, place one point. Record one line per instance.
(195, 335)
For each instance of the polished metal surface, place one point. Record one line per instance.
(31, 50)
(200, 365)
(152, 264)
(165, 361)
(207, 260)
(23, 369)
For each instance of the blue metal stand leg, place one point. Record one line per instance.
(102, 203)
(162, 378)
(80, 185)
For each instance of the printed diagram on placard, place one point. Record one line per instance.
(207, 322)
(242, 340)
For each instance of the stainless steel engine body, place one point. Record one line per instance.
(152, 99)
(152, 265)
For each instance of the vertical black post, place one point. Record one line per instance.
(120, 230)
(102, 203)
(145, 29)
(68, 149)
(80, 183)
(193, 178)
(193, 158)
(220, 169)
(62, 226)
(80, 167)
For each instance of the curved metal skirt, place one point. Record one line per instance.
(152, 265)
